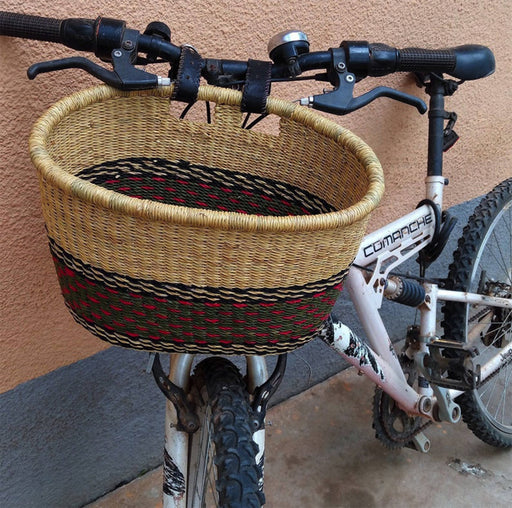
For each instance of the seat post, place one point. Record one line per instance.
(437, 116)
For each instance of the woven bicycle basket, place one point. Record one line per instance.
(176, 235)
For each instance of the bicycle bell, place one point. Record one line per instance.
(286, 46)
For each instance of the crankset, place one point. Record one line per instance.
(393, 426)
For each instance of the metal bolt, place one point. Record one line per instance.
(340, 66)
(118, 53)
(427, 299)
(128, 45)
(349, 78)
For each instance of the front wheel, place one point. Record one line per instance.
(222, 454)
(482, 264)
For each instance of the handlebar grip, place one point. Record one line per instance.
(30, 27)
(424, 60)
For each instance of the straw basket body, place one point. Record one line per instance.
(183, 236)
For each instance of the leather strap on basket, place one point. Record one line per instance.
(257, 86)
(188, 75)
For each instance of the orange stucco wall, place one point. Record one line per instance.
(36, 333)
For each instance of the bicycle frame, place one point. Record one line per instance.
(379, 254)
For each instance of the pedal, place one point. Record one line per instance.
(451, 364)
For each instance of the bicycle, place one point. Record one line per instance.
(464, 374)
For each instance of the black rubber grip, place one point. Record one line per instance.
(30, 27)
(424, 60)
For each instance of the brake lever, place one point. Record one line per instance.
(341, 100)
(124, 76)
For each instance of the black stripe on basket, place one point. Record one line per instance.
(194, 185)
(191, 292)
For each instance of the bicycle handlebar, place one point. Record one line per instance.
(110, 40)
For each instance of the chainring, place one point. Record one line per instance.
(393, 426)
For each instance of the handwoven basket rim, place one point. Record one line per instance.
(155, 211)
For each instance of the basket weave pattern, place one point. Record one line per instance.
(180, 236)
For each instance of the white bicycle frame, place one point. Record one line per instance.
(380, 253)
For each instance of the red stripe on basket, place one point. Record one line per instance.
(113, 307)
(339, 286)
(117, 323)
(199, 312)
(135, 178)
(110, 290)
(262, 334)
(238, 335)
(226, 189)
(275, 327)
(263, 304)
(264, 320)
(170, 189)
(160, 300)
(212, 304)
(241, 211)
(202, 342)
(154, 337)
(201, 203)
(289, 317)
(183, 182)
(106, 312)
(226, 342)
(286, 332)
(149, 307)
(213, 321)
(161, 316)
(292, 302)
(213, 196)
(234, 200)
(90, 298)
(266, 198)
(151, 323)
(147, 187)
(205, 186)
(139, 313)
(96, 316)
(179, 200)
(223, 208)
(124, 302)
(287, 203)
(130, 320)
(158, 179)
(158, 198)
(185, 302)
(225, 328)
(164, 332)
(240, 305)
(318, 295)
(305, 212)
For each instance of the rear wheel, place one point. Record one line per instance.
(483, 264)
(222, 462)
